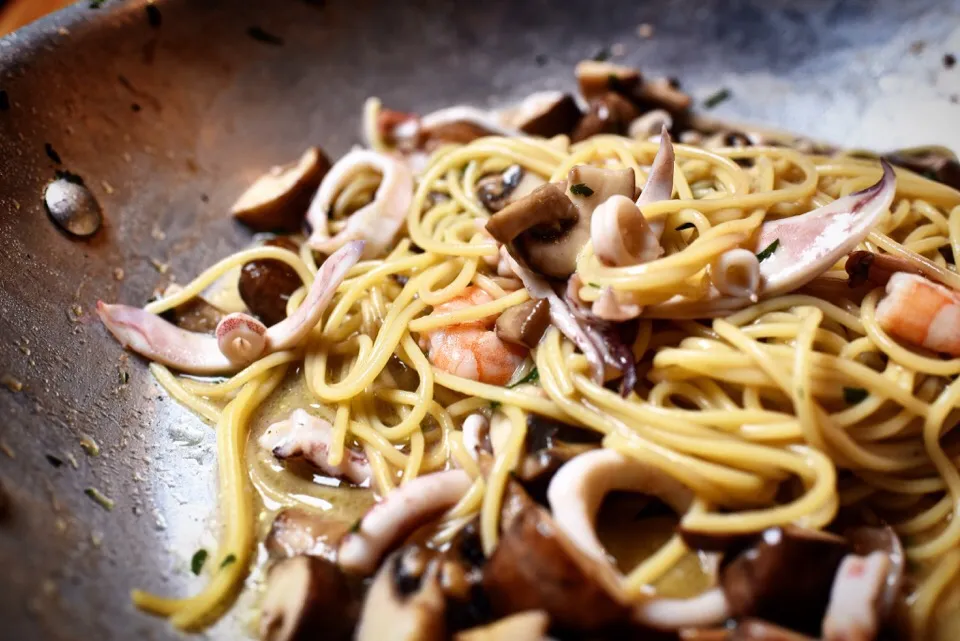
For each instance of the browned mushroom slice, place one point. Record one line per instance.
(278, 200)
(936, 163)
(266, 285)
(546, 114)
(663, 93)
(596, 78)
(610, 113)
(535, 567)
(298, 532)
(402, 607)
(308, 598)
(525, 626)
(496, 191)
(548, 445)
(785, 576)
(545, 228)
(196, 315)
(525, 323)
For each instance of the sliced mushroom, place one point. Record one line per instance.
(525, 626)
(496, 191)
(548, 446)
(650, 124)
(597, 78)
(610, 113)
(196, 315)
(545, 228)
(401, 607)
(278, 200)
(936, 163)
(266, 285)
(296, 532)
(876, 269)
(306, 598)
(867, 540)
(600, 185)
(664, 93)
(535, 567)
(545, 114)
(525, 323)
(785, 576)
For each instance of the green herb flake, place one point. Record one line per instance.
(715, 99)
(854, 395)
(90, 446)
(228, 560)
(356, 526)
(532, 377)
(580, 189)
(99, 498)
(124, 377)
(768, 250)
(55, 461)
(494, 405)
(597, 285)
(684, 226)
(602, 55)
(197, 561)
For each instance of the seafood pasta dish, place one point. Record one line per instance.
(587, 366)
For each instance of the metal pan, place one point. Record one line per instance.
(168, 110)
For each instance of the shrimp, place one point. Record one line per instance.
(472, 349)
(921, 312)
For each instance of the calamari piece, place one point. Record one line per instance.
(796, 250)
(475, 427)
(918, 311)
(377, 222)
(239, 339)
(159, 340)
(579, 487)
(621, 235)
(405, 509)
(309, 436)
(736, 273)
(660, 180)
(853, 613)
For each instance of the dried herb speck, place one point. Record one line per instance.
(55, 461)
(580, 189)
(715, 99)
(197, 561)
(228, 560)
(99, 498)
(260, 35)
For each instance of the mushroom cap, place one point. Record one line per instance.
(278, 200)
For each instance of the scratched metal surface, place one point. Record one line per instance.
(167, 118)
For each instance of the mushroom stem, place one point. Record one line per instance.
(659, 185)
(392, 520)
(377, 222)
(707, 609)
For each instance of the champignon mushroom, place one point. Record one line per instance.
(403, 606)
(278, 200)
(308, 597)
(524, 626)
(496, 191)
(937, 163)
(525, 323)
(663, 93)
(196, 315)
(266, 285)
(535, 567)
(856, 599)
(650, 124)
(610, 113)
(785, 576)
(545, 114)
(545, 228)
(597, 78)
(296, 531)
(866, 540)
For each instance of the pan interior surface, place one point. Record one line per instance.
(168, 110)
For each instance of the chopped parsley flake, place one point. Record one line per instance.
(532, 377)
(684, 226)
(580, 189)
(715, 99)
(228, 560)
(768, 250)
(97, 497)
(199, 558)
